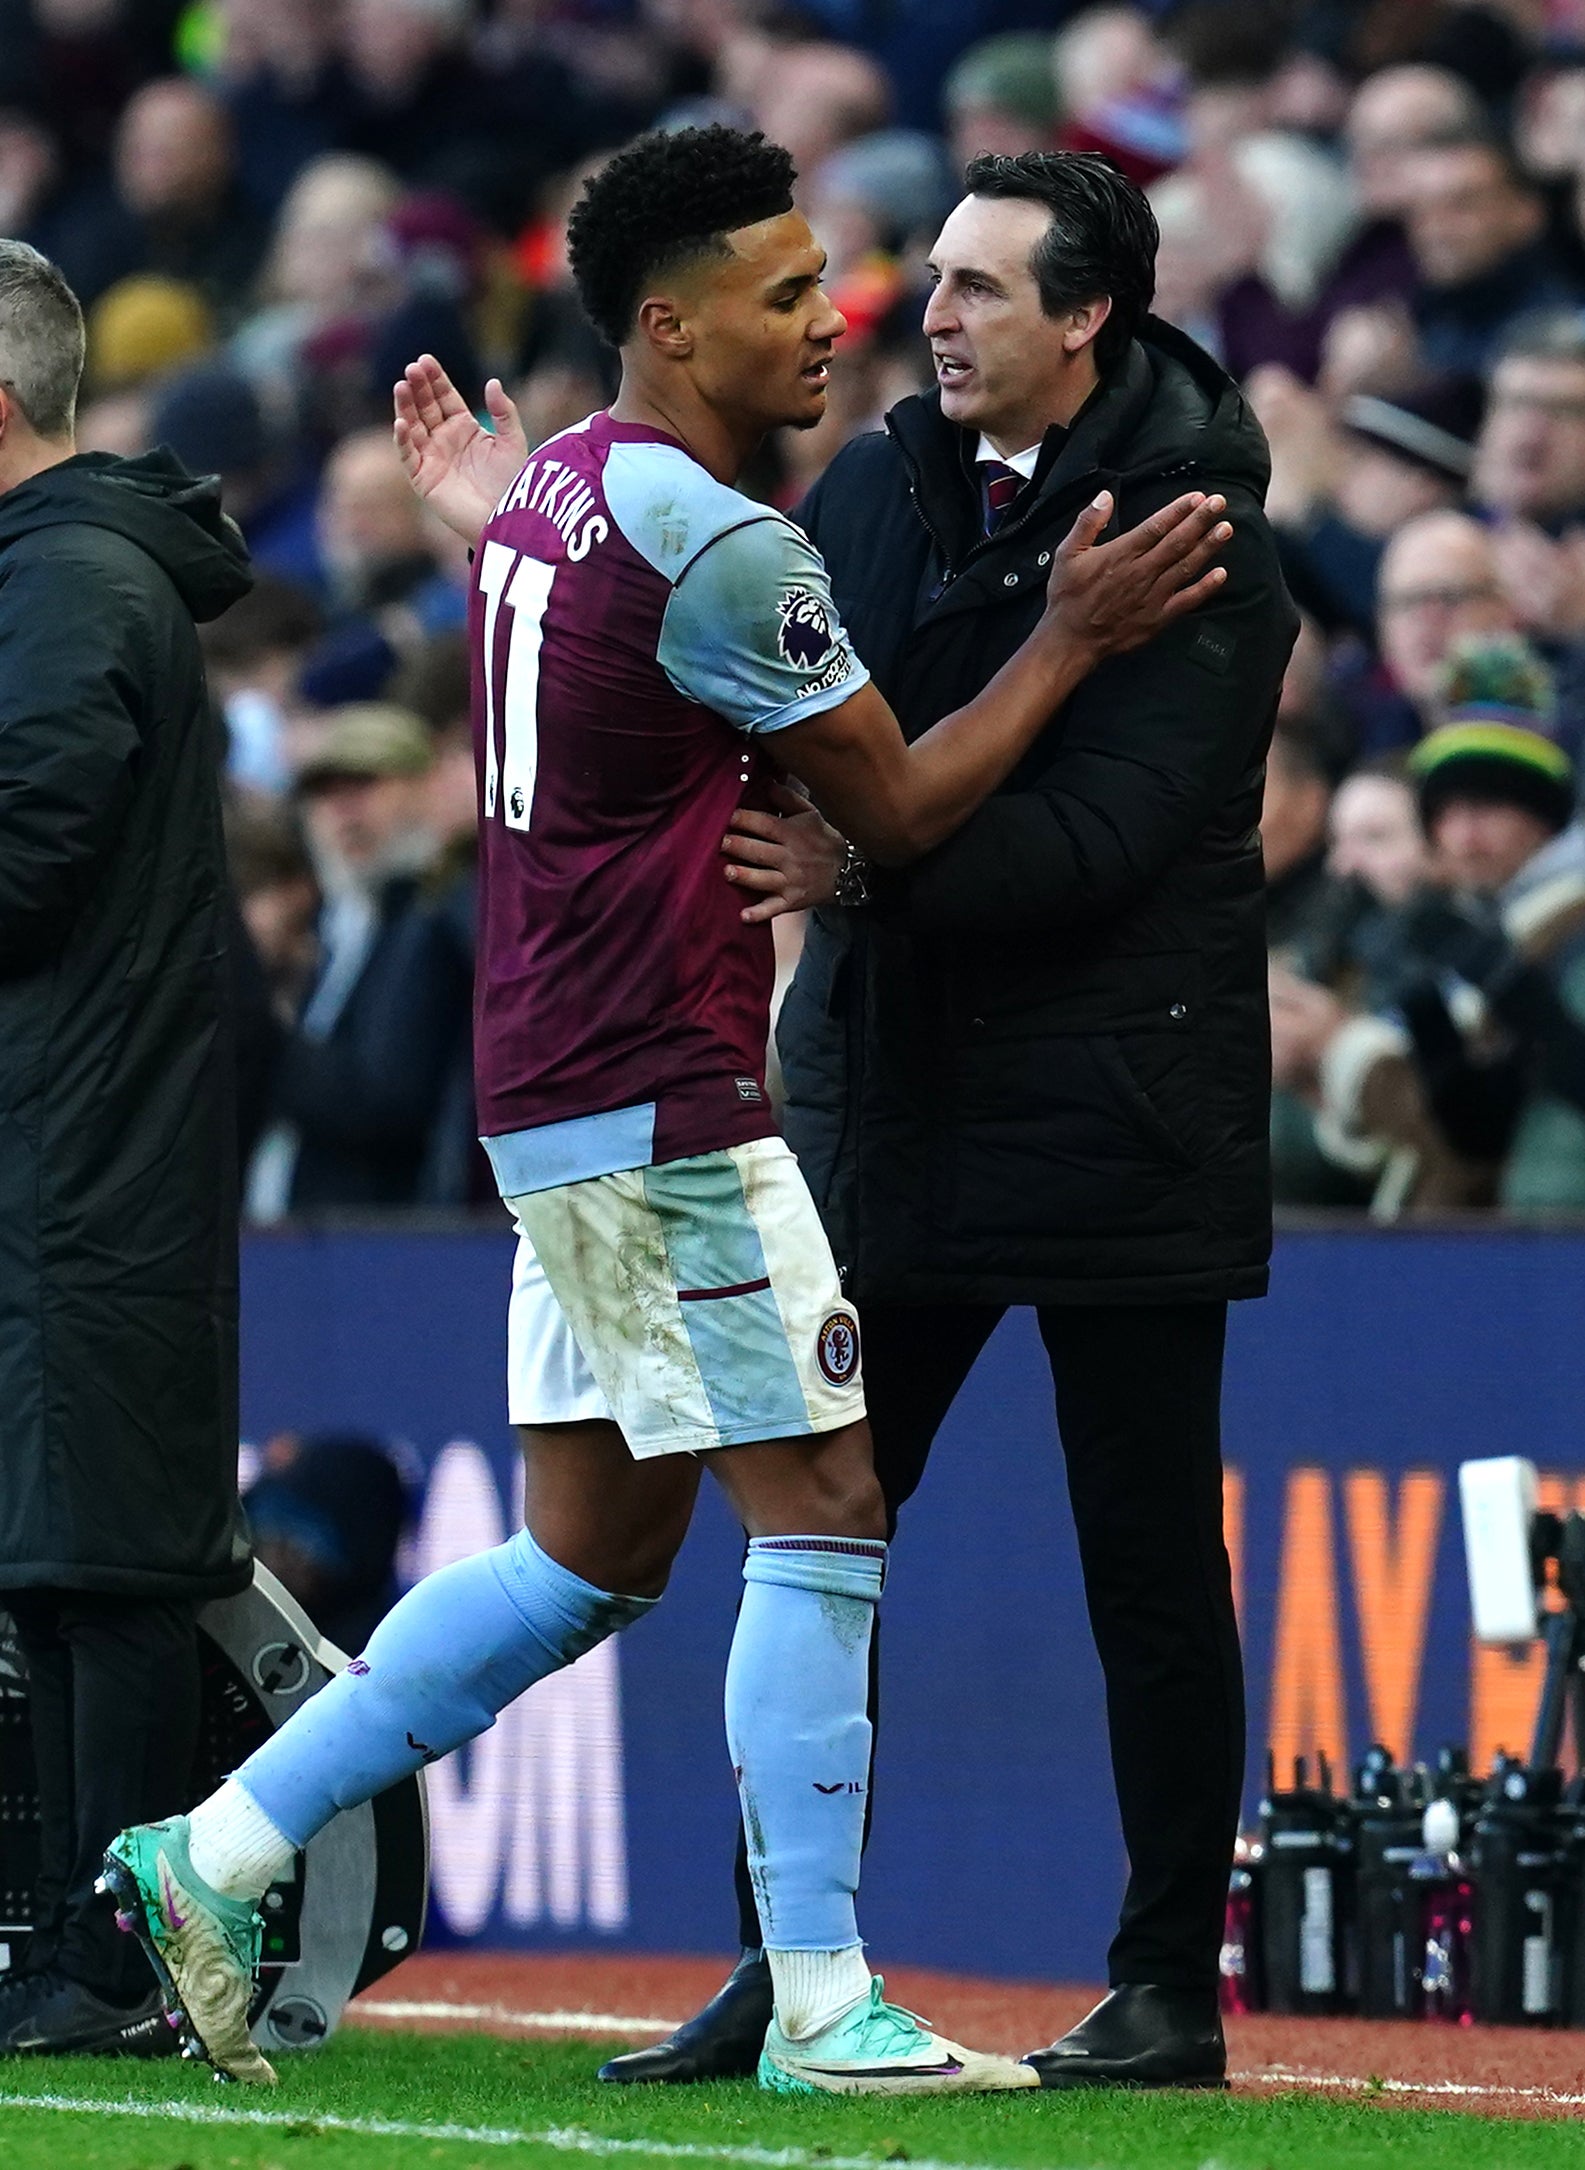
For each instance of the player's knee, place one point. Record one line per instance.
(847, 1490)
(645, 1573)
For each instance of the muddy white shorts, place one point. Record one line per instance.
(696, 1303)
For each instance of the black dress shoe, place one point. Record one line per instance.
(722, 2042)
(49, 2015)
(1140, 2036)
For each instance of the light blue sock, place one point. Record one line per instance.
(797, 1686)
(439, 1668)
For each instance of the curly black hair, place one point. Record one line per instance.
(1102, 239)
(667, 199)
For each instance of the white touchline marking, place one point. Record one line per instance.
(500, 2015)
(564, 2139)
(1285, 2076)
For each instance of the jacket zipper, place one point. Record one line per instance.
(1144, 474)
(948, 576)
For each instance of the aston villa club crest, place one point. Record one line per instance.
(804, 635)
(837, 1347)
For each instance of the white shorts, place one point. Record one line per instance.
(696, 1303)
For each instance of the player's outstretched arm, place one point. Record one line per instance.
(453, 462)
(898, 801)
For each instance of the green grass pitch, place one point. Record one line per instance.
(455, 2101)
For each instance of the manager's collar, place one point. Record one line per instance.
(1021, 463)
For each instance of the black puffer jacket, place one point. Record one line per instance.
(1038, 1068)
(118, 1217)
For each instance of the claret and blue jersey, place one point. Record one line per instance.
(639, 629)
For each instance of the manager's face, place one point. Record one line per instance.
(1000, 360)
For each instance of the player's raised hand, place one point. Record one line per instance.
(450, 458)
(1116, 595)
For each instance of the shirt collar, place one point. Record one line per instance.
(1021, 463)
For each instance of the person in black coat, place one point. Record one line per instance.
(1034, 1067)
(118, 1220)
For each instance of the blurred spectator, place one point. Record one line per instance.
(383, 579)
(327, 1516)
(886, 194)
(1530, 461)
(435, 683)
(276, 70)
(1440, 582)
(1549, 130)
(363, 1074)
(376, 546)
(1374, 831)
(30, 177)
(253, 654)
(1452, 1085)
(73, 64)
(1343, 483)
(1476, 231)
(1231, 51)
(1395, 113)
(417, 98)
(1493, 794)
(174, 207)
(329, 258)
(1002, 96)
(1253, 238)
(215, 423)
(1119, 92)
(1376, 860)
(815, 98)
(278, 896)
(1504, 1069)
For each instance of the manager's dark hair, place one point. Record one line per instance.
(665, 201)
(1102, 238)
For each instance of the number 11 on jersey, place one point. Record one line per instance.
(522, 585)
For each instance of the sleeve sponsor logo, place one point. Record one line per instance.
(805, 636)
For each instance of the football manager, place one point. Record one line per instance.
(1033, 1068)
(118, 1222)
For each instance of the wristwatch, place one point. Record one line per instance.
(853, 877)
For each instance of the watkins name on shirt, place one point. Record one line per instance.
(563, 498)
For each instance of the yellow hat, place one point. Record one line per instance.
(142, 326)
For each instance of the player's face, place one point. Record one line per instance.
(1000, 360)
(764, 327)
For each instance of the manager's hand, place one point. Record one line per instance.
(1107, 597)
(791, 857)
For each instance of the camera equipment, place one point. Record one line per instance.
(1413, 1905)
(1306, 1893)
(1527, 1848)
(1388, 1811)
(1517, 1870)
(351, 1907)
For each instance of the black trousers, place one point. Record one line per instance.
(1138, 1394)
(114, 1698)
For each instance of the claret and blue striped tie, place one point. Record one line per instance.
(1002, 485)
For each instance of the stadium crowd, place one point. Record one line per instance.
(1374, 215)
